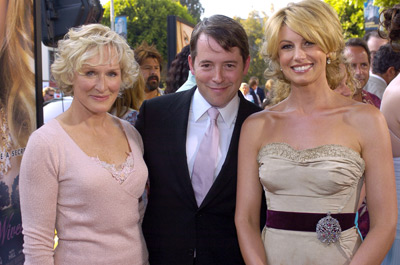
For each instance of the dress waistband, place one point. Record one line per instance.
(306, 222)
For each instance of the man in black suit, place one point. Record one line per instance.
(257, 92)
(180, 228)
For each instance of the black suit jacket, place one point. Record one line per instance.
(175, 228)
(255, 98)
(261, 94)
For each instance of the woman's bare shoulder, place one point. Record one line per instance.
(363, 111)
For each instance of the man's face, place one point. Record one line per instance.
(219, 73)
(48, 96)
(358, 59)
(254, 87)
(373, 45)
(150, 69)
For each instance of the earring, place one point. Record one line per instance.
(328, 60)
(281, 69)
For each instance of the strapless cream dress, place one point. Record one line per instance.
(324, 179)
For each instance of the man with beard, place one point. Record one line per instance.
(150, 61)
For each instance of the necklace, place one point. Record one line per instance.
(5, 163)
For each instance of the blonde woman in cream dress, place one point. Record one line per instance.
(310, 152)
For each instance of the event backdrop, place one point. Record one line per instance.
(18, 115)
(371, 16)
(179, 32)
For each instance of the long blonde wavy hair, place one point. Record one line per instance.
(17, 77)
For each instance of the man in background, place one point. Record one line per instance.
(48, 94)
(150, 62)
(374, 42)
(385, 68)
(359, 57)
(257, 92)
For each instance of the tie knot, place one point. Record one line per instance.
(213, 113)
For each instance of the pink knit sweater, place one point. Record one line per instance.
(97, 219)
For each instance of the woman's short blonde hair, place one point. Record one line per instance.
(316, 22)
(88, 41)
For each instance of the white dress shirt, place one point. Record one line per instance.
(376, 85)
(198, 123)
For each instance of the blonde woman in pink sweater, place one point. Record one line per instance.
(83, 173)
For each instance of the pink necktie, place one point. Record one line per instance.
(205, 162)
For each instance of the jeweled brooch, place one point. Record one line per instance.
(328, 229)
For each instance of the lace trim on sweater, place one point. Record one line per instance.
(119, 173)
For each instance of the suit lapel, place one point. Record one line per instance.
(179, 113)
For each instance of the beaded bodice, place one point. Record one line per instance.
(331, 150)
(321, 179)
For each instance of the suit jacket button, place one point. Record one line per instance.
(190, 252)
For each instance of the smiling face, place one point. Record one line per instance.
(302, 62)
(97, 84)
(218, 72)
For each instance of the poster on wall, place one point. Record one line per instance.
(179, 33)
(120, 26)
(371, 16)
(183, 33)
(17, 117)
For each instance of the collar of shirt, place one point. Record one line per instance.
(377, 76)
(228, 113)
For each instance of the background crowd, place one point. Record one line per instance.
(131, 173)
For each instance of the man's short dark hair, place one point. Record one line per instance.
(357, 42)
(370, 34)
(386, 57)
(253, 81)
(224, 30)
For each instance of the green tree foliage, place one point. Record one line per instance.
(194, 7)
(147, 20)
(351, 15)
(254, 27)
(386, 3)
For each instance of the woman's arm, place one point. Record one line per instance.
(390, 109)
(38, 186)
(380, 187)
(249, 194)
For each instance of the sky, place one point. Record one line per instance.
(239, 8)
